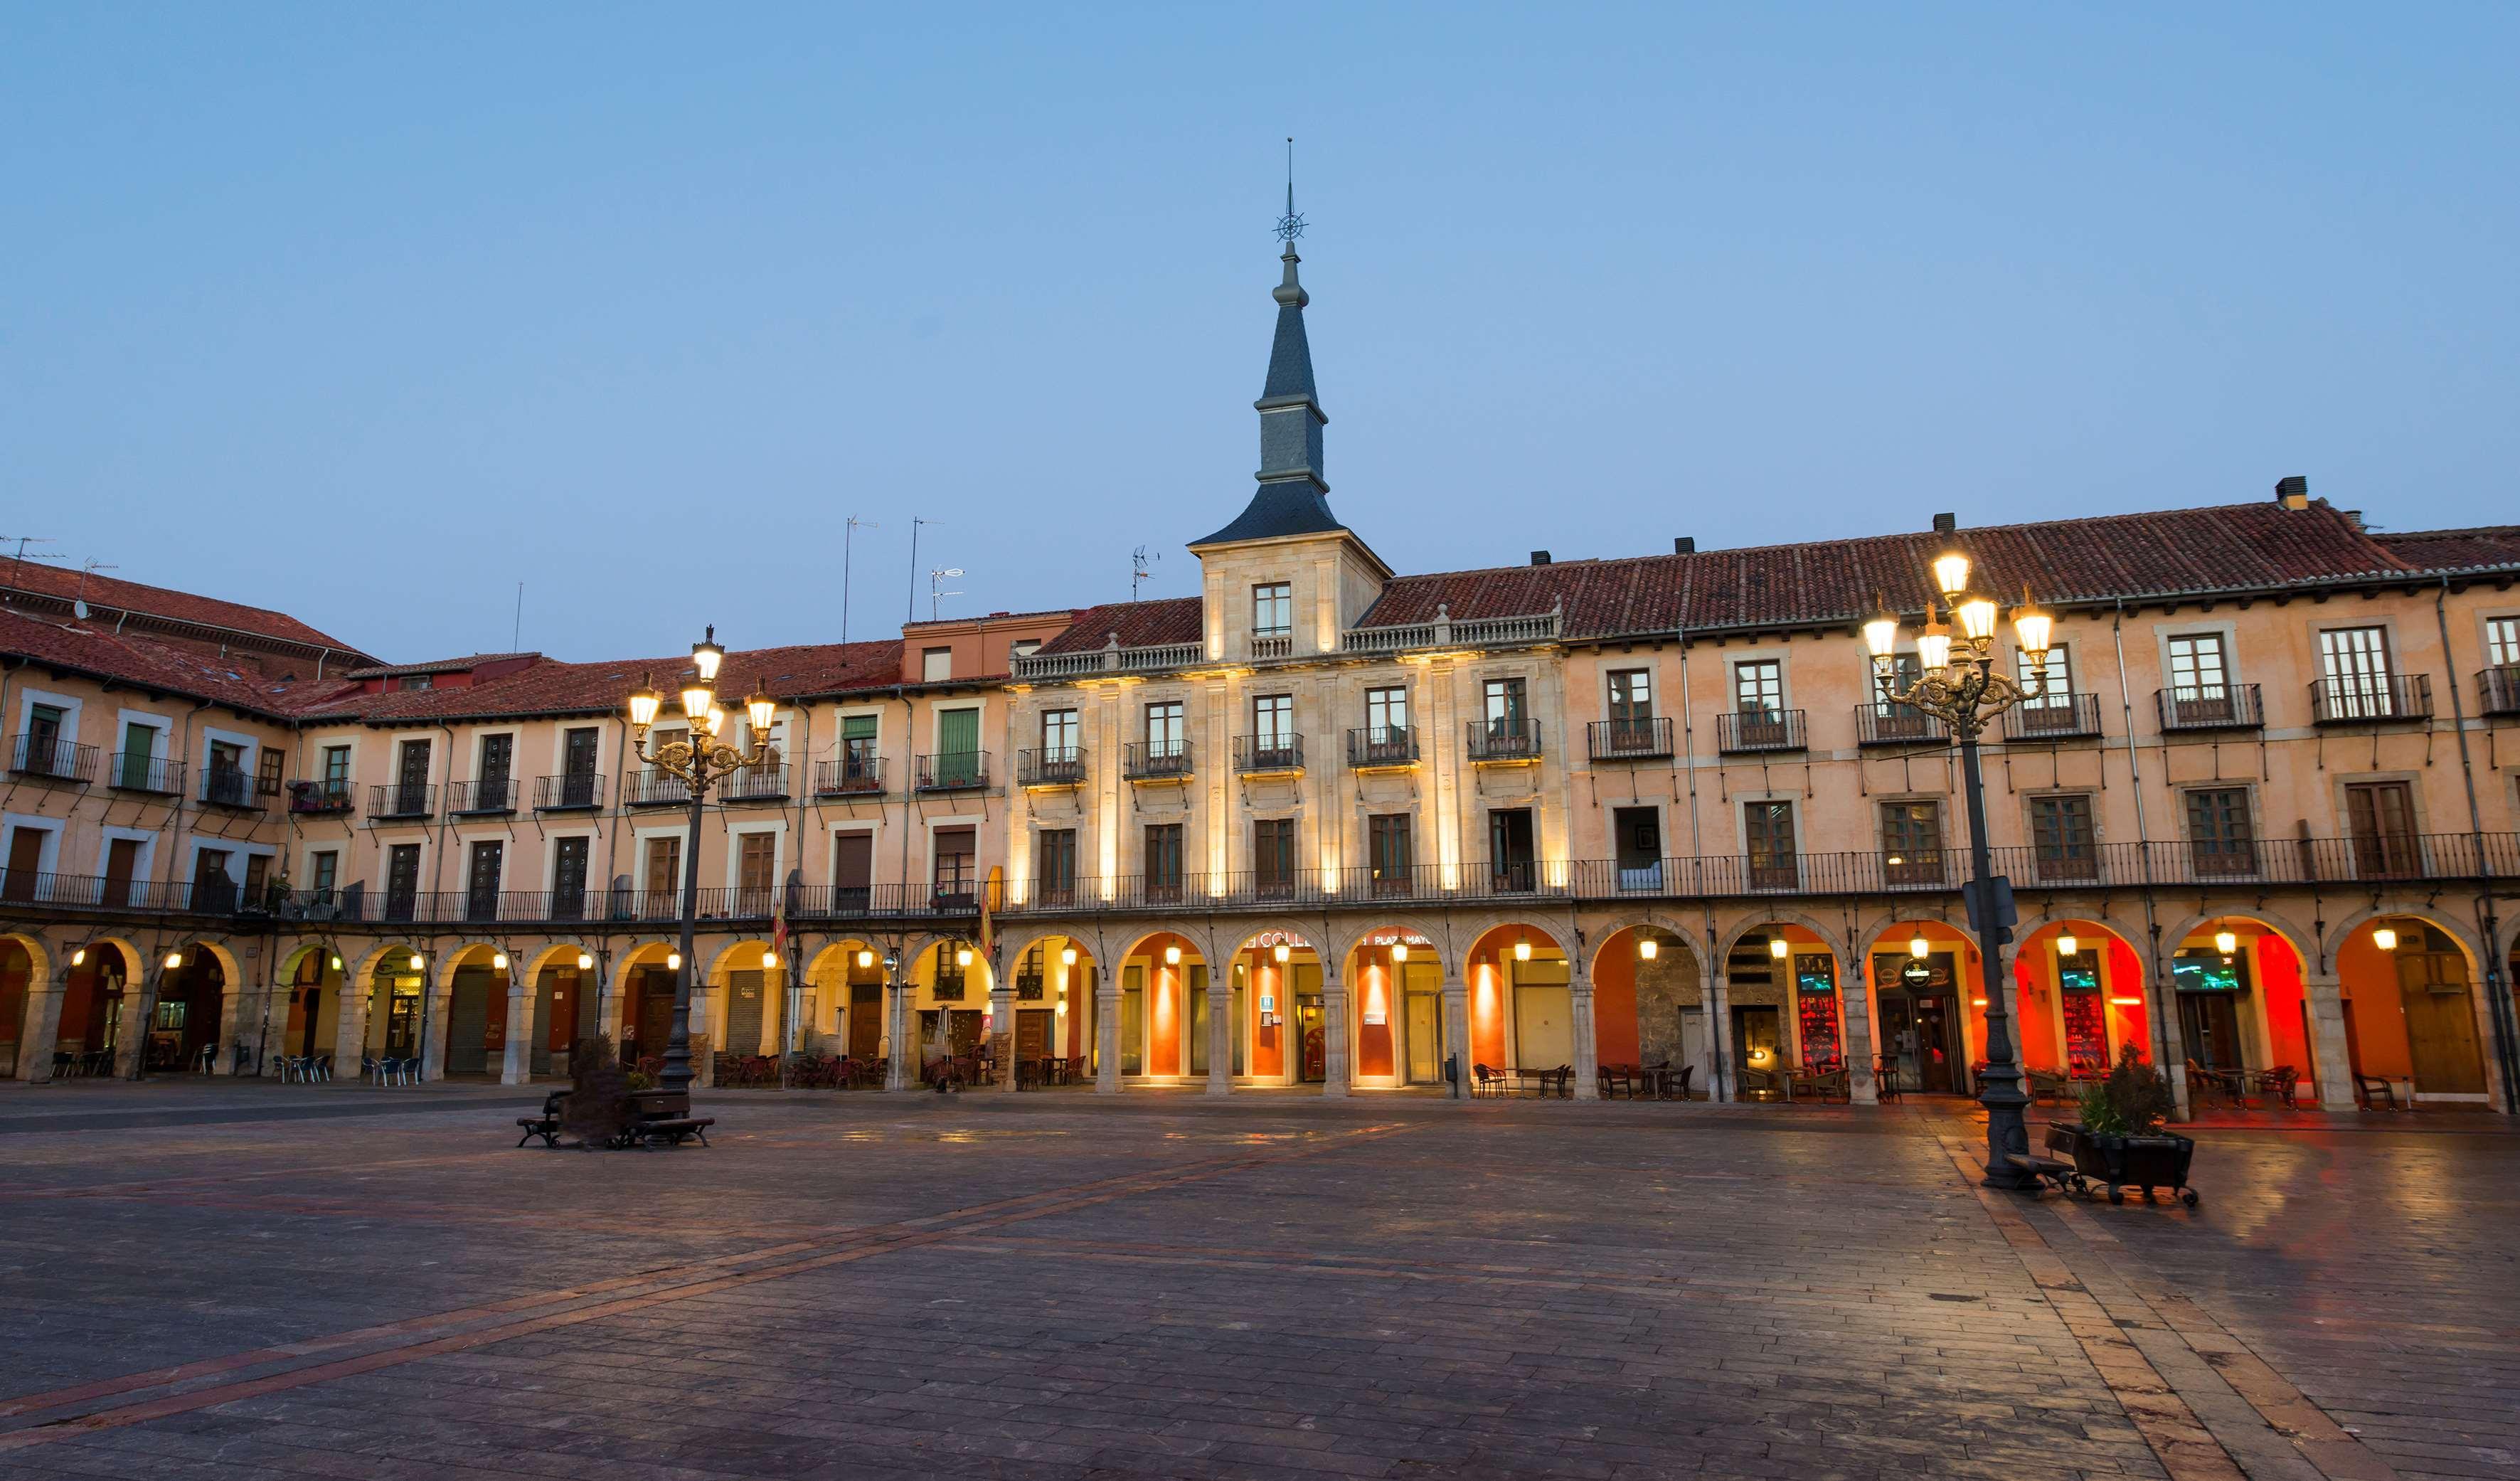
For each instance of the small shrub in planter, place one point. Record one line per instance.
(598, 1097)
(2121, 1142)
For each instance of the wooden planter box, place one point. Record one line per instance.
(2117, 1163)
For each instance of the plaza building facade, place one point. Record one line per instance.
(1330, 825)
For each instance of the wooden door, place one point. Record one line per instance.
(754, 871)
(2381, 816)
(568, 878)
(866, 1020)
(121, 862)
(1771, 831)
(26, 860)
(1032, 1033)
(2441, 1021)
(411, 782)
(481, 883)
(402, 880)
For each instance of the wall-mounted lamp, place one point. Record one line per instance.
(337, 961)
(2384, 937)
(499, 962)
(419, 962)
(2068, 944)
(1067, 956)
(769, 959)
(1399, 951)
(962, 956)
(1647, 948)
(586, 962)
(1778, 947)
(1283, 952)
(1523, 950)
(174, 960)
(673, 962)
(2227, 941)
(865, 959)
(1917, 945)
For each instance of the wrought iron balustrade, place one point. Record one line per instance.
(2054, 717)
(482, 794)
(1885, 722)
(1633, 737)
(34, 754)
(2210, 708)
(1370, 746)
(1256, 755)
(402, 800)
(2371, 697)
(1504, 740)
(569, 791)
(1156, 760)
(1051, 766)
(858, 773)
(1744, 731)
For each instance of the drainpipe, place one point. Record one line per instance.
(2162, 990)
(1716, 1029)
(2498, 1006)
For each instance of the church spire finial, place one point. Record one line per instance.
(1291, 226)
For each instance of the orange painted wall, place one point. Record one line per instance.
(2279, 978)
(2033, 1007)
(1269, 1040)
(2374, 1007)
(1376, 997)
(1614, 1005)
(2126, 980)
(1487, 1012)
(1163, 1020)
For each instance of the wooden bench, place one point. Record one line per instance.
(663, 1115)
(545, 1124)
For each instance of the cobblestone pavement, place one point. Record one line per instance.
(232, 1281)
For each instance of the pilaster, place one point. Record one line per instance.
(1724, 1084)
(515, 1063)
(42, 1029)
(1580, 1024)
(233, 1031)
(350, 1026)
(2334, 1062)
(1106, 1033)
(1336, 1035)
(897, 1048)
(1002, 1030)
(1457, 1032)
(1854, 1028)
(1220, 1031)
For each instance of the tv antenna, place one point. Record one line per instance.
(79, 598)
(848, 538)
(26, 540)
(936, 578)
(1141, 569)
(912, 615)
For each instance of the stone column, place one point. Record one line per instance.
(1580, 1024)
(1457, 1030)
(517, 1064)
(233, 1030)
(2335, 1068)
(1107, 1032)
(1855, 1029)
(43, 1026)
(703, 1040)
(1335, 1033)
(1002, 1029)
(1220, 1030)
(1725, 1083)
(432, 1052)
(2161, 1017)
(350, 1004)
(131, 1035)
(898, 1049)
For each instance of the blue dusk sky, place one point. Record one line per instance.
(368, 313)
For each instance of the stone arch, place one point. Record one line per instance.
(560, 954)
(1351, 932)
(1602, 932)
(39, 958)
(1488, 923)
(2341, 931)
(1760, 919)
(2305, 943)
(725, 958)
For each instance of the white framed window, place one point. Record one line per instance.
(1273, 610)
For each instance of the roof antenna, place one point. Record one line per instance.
(848, 538)
(1291, 226)
(516, 635)
(79, 598)
(26, 540)
(935, 579)
(1141, 568)
(915, 522)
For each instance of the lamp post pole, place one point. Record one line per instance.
(698, 761)
(1959, 684)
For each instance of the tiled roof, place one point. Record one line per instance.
(433, 666)
(2230, 548)
(255, 684)
(1140, 624)
(548, 688)
(158, 601)
(1061, 613)
(2456, 549)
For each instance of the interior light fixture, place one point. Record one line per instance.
(1283, 952)
(1917, 945)
(1172, 956)
(2227, 941)
(1977, 1003)
(1067, 956)
(2384, 938)
(1647, 948)
(2128, 1002)
(1399, 951)
(2068, 944)
(1778, 947)
(1523, 950)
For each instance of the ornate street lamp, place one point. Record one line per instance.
(1960, 686)
(699, 762)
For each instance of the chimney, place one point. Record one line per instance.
(1540, 558)
(1685, 545)
(1943, 525)
(2293, 492)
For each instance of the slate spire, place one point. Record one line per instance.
(1290, 499)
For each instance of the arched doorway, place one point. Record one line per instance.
(1163, 996)
(1054, 994)
(2244, 1019)
(1521, 1001)
(843, 1015)
(1924, 977)
(1781, 991)
(950, 985)
(311, 1022)
(476, 1012)
(17, 981)
(191, 993)
(2080, 1000)
(2410, 1012)
(1396, 982)
(1650, 1012)
(90, 1030)
(566, 1000)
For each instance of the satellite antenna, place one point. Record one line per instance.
(1141, 568)
(848, 538)
(78, 600)
(935, 579)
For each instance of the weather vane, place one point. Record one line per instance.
(1291, 226)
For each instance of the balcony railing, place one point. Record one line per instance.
(319, 796)
(754, 783)
(857, 774)
(2054, 717)
(1642, 738)
(654, 786)
(1271, 644)
(2359, 700)
(2497, 690)
(1051, 766)
(2219, 706)
(1885, 723)
(1369, 748)
(1499, 742)
(1474, 632)
(52, 758)
(1737, 731)
(132, 772)
(1257, 755)
(402, 799)
(482, 794)
(1110, 658)
(954, 771)
(231, 786)
(569, 791)
(1156, 760)
(1869, 872)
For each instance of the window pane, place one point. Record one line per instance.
(1759, 686)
